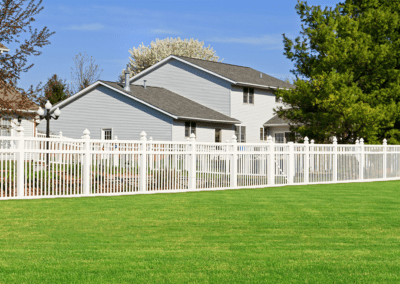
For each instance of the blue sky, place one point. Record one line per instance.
(247, 33)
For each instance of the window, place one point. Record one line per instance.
(278, 100)
(217, 135)
(279, 138)
(248, 95)
(106, 133)
(251, 96)
(5, 127)
(264, 131)
(285, 137)
(190, 127)
(240, 132)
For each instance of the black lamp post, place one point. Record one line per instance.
(48, 116)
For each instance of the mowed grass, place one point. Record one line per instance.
(343, 233)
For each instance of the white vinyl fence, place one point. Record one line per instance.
(55, 167)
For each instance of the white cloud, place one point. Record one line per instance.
(272, 41)
(86, 27)
(164, 31)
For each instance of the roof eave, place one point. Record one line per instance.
(261, 86)
(210, 120)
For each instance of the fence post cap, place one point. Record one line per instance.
(143, 136)
(306, 140)
(269, 139)
(234, 138)
(362, 141)
(357, 141)
(312, 141)
(384, 142)
(334, 140)
(20, 130)
(115, 137)
(86, 134)
(151, 138)
(192, 137)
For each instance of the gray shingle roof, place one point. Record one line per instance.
(173, 103)
(238, 73)
(276, 120)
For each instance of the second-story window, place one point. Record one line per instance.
(248, 95)
(245, 95)
(190, 127)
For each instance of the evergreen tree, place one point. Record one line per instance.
(347, 68)
(55, 91)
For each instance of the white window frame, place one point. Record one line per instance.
(191, 128)
(2, 119)
(239, 137)
(247, 94)
(265, 131)
(103, 130)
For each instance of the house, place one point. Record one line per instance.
(8, 123)
(174, 98)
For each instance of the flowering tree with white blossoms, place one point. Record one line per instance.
(143, 56)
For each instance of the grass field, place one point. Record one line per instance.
(343, 233)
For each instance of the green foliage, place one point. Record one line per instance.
(347, 72)
(55, 90)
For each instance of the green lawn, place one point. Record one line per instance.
(343, 233)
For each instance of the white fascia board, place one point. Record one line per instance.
(210, 120)
(277, 125)
(4, 50)
(181, 60)
(261, 86)
(77, 95)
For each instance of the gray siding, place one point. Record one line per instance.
(105, 108)
(191, 83)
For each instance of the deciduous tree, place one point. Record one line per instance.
(84, 72)
(347, 67)
(144, 56)
(18, 34)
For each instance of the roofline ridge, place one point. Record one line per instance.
(213, 61)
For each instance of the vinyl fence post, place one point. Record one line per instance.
(362, 159)
(335, 160)
(86, 162)
(234, 173)
(142, 163)
(271, 161)
(306, 160)
(385, 154)
(20, 162)
(291, 163)
(192, 163)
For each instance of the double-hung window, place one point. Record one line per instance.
(190, 127)
(106, 133)
(240, 132)
(264, 133)
(248, 95)
(5, 126)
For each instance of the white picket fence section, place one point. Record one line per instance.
(33, 167)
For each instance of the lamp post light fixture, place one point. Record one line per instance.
(46, 114)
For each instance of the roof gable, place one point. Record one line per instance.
(234, 74)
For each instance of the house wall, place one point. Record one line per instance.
(253, 116)
(205, 132)
(191, 83)
(105, 108)
(29, 127)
